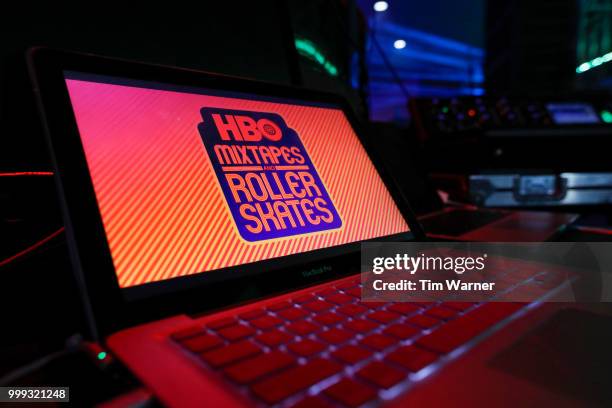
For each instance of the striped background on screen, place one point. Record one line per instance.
(162, 208)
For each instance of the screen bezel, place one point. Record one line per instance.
(106, 304)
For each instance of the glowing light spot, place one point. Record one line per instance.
(595, 62)
(309, 50)
(585, 66)
(399, 44)
(381, 6)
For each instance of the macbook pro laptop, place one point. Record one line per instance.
(215, 224)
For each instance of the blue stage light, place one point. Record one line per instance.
(381, 6)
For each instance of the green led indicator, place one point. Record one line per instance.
(445, 109)
(595, 62)
(309, 50)
(102, 355)
(606, 116)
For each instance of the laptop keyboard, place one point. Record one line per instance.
(330, 349)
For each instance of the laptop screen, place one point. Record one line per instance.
(190, 180)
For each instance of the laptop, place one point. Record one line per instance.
(457, 221)
(214, 225)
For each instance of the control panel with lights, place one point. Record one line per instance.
(519, 151)
(511, 116)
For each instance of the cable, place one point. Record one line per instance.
(390, 66)
(26, 173)
(73, 344)
(42, 241)
(372, 37)
(31, 248)
(593, 230)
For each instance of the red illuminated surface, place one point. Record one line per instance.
(26, 173)
(163, 210)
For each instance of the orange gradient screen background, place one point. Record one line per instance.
(163, 210)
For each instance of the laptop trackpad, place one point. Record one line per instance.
(571, 353)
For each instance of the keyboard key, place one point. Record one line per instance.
(378, 341)
(280, 386)
(302, 327)
(275, 307)
(306, 347)
(250, 370)
(351, 354)
(230, 354)
(403, 308)
(374, 305)
(354, 292)
(266, 322)
(318, 306)
(459, 306)
(383, 316)
(412, 358)
(401, 331)
(352, 310)
(347, 285)
(440, 312)
(350, 393)
(381, 374)
(335, 336)
(220, 323)
(340, 299)
(236, 332)
(423, 321)
(186, 333)
(201, 343)
(326, 293)
(328, 318)
(252, 314)
(454, 333)
(312, 402)
(304, 299)
(360, 325)
(493, 312)
(292, 313)
(273, 338)
(461, 332)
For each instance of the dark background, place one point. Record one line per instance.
(453, 49)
